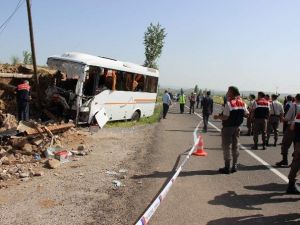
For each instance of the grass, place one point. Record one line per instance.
(218, 99)
(143, 121)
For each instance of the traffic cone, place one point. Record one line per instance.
(200, 148)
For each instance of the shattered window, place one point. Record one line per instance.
(72, 69)
(138, 83)
(151, 84)
(128, 81)
(92, 80)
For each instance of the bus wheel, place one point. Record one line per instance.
(136, 116)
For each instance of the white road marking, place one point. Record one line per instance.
(251, 153)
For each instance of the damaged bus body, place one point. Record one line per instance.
(103, 89)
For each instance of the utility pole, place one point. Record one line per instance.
(36, 78)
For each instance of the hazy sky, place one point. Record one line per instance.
(253, 44)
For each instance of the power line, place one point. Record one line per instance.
(5, 23)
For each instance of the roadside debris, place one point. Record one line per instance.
(117, 183)
(29, 145)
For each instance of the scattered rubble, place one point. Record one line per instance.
(7, 121)
(33, 145)
(53, 163)
(117, 183)
(28, 148)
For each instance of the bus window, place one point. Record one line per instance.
(151, 84)
(138, 83)
(92, 81)
(110, 79)
(120, 82)
(128, 81)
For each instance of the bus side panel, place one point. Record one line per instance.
(120, 105)
(145, 102)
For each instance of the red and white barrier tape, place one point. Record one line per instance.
(144, 219)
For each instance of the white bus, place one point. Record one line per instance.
(104, 89)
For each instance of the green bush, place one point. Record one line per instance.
(143, 121)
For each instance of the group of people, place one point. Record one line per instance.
(206, 103)
(263, 115)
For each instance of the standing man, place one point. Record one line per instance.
(261, 109)
(276, 113)
(166, 103)
(207, 105)
(23, 98)
(288, 103)
(182, 100)
(250, 117)
(289, 134)
(295, 166)
(232, 117)
(198, 100)
(192, 99)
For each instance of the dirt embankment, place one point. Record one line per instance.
(83, 192)
(8, 84)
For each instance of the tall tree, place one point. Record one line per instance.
(196, 89)
(200, 92)
(27, 57)
(154, 42)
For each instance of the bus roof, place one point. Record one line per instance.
(91, 60)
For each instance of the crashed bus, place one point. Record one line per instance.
(98, 89)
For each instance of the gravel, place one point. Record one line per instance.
(81, 192)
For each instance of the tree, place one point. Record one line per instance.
(196, 89)
(200, 92)
(154, 42)
(27, 57)
(14, 60)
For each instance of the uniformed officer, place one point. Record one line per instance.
(289, 134)
(261, 109)
(23, 98)
(250, 117)
(288, 103)
(276, 113)
(182, 100)
(295, 166)
(232, 117)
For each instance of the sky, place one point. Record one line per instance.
(252, 44)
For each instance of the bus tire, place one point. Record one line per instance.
(136, 116)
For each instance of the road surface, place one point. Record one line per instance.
(200, 195)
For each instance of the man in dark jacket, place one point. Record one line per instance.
(207, 105)
(23, 98)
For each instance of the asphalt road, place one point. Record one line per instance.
(200, 195)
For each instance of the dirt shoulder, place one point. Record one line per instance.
(82, 192)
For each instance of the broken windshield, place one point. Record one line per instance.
(72, 70)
